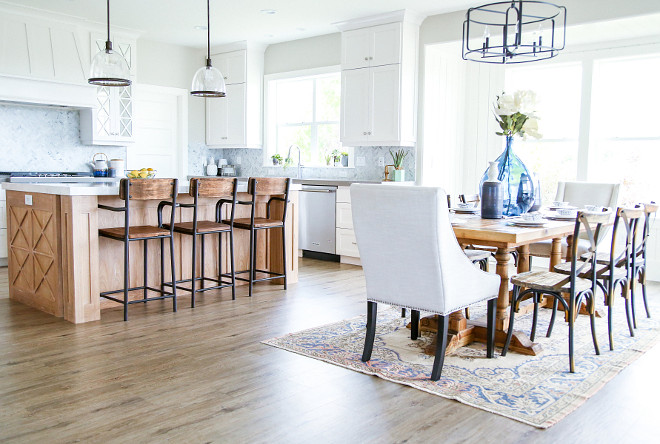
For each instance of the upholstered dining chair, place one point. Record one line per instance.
(578, 194)
(411, 259)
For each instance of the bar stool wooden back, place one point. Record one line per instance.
(224, 190)
(135, 190)
(264, 186)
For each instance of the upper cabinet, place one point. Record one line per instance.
(379, 80)
(235, 121)
(373, 46)
(111, 122)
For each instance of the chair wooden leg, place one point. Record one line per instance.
(371, 331)
(467, 312)
(628, 318)
(633, 285)
(414, 324)
(509, 335)
(555, 304)
(490, 341)
(173, 266)
(441, 348)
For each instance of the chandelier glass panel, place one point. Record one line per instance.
(514, 32)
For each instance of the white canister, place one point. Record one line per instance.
(116, 168)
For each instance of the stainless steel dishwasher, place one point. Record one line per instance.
(317, 219)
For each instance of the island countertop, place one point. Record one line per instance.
(96, 189)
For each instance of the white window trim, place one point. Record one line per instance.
(268, 137)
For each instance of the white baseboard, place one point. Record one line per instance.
(350, 260)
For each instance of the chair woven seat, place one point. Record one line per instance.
(135, 232)
(259, 222)
(549, 281)
(203, 226)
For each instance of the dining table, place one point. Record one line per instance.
(503, 236)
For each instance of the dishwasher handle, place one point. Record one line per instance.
(318, 191)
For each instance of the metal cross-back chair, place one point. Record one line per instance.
(639, 260)
(614, 269)
(535, 284)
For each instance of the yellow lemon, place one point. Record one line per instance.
(150, 169)
(144, 174)
(143, 169)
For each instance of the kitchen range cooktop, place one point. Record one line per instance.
(56, 176)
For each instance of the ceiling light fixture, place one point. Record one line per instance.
(514, 32)
(109, 68)
(208, 81)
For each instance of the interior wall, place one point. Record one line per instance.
(314, 52)
(163, 64)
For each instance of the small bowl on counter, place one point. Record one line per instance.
(144, 173)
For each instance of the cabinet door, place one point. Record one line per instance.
(216, 121)
(356, 47)
(385, 100)
(344, 215)
(346, 243)
(236, 118)
(385, 44)
(232, 65)
(355, 105)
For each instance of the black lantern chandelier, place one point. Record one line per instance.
(208, 81)
(109, 68)
(514, 32)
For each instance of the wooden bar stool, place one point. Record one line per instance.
(143, 189)
(223, 189)
(264, 186)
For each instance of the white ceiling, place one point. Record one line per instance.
(173, 21)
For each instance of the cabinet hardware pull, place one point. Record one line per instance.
(366, 58)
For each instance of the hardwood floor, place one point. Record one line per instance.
(202, 375)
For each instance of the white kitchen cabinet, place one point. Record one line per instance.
(345, 243)
(372, 46)
(235, 121)
(227, 116)
(373, 106)
(379, 84)
(232, 65)
(111, 122)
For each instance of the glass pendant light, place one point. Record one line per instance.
(208, 81)
(109, 68)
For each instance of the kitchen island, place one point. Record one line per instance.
(59, 264)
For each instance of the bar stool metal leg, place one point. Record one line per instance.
(284, 253)
(233, 269)
(193, 271)
(173, 263)
(126, 276)
(145, 266)
(201, 285)
(162, 264)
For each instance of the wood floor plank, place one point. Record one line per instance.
(202, 375)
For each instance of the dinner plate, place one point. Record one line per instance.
(560, 217)
(465, 210)
(528, 223)
(567, 207)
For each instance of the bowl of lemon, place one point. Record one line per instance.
(144, 173)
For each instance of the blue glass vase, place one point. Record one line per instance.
(517, 183)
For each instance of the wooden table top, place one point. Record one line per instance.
(501, 233)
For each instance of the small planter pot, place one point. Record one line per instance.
(344, 161)
(277, 162)
(400, 175)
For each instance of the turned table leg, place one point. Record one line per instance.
(502, 256)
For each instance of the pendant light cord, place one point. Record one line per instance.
(108, 43)
(108, 19)
(208, 32)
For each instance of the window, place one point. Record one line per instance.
(554, 157)
(625, 134)
(303, 110)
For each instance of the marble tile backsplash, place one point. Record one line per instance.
(34, 138)
(252, 163)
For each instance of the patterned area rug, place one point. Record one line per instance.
(536, 390)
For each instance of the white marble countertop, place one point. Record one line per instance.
(94, 189)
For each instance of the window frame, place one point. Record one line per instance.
(270, 127)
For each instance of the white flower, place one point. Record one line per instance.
(531, 128)
(505, 105)
(525, 101)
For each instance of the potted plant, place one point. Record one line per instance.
(344, 159)
(336, 156)
(327, 157)
(397, 160)
(277, 159)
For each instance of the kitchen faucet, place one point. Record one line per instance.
(288, 156)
